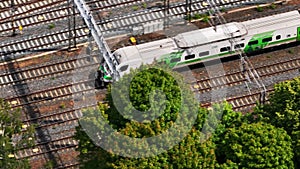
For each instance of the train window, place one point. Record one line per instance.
(123, 68)
(288, 36)
(255, 42)
(175, 60)
(224, 49)
(189, 57)
(241, 45)
(267, 39)
(278, 37)
(203, 53)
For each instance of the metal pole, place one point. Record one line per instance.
(74, 24)
(166, 13)
(72, 29)
(12, 10)
(188, 9)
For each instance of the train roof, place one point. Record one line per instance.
(208, 35)
(272, 23)
(147, 52)
(251, 27)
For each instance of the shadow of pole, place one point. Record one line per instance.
(31, 111)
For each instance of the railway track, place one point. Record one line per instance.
(59, 125)
(47, 70)
(56, 127)
(243, 103)
(110, 27)
(241, 100)
(41, 12)
(25, 9)
(59, 128)
(237, 78)
(66, 156)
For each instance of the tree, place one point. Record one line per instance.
(14, 137)
(257, 145)
(189, 153)
(150, 90)
(283, 111)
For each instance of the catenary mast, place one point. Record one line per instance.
(110, 60)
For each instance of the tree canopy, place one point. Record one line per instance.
(283, 111)
(14, 136)
(150, 90)
(218, 138)
(258, 145)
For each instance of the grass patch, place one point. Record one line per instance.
(272, 6)
(259, 9)
(205, 18)
(223, 9)
(51, 26)
(290, 51)
(62, 106)
(144, 5)
(196, 16)
(135, 8)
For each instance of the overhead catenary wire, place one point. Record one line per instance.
(247, 68)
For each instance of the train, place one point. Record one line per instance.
(210, 43)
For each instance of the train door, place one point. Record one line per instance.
(253, 45)
(298, 34)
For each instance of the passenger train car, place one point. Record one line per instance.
(211, 43)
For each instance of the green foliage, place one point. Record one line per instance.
(238, 141)
(196, 16)
(14, 136)
(49, 165)
(272, 6)
(188, 17)
(290, 51)
(205, 18)
(228, 119)
(259, 8)
(135, 7)
(51, 26)
(258, 145)
(144, 5)
(189, 153)
(62, 105)
(284, 111)
(223, 9)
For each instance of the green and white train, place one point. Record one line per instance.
(211, 43)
